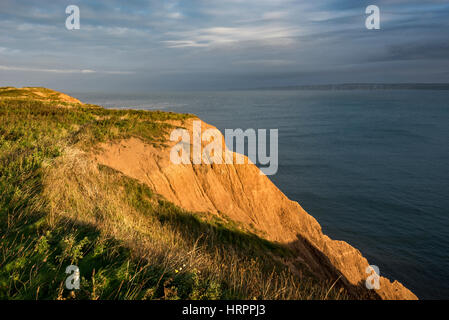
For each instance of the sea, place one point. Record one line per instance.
(372, 166)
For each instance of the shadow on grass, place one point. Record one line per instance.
(319, 268)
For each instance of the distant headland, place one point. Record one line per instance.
(363, 86)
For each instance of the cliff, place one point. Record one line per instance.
(94, 187)
(239, 192)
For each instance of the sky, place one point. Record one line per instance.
(140, 46)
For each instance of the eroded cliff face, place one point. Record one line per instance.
(241, 193)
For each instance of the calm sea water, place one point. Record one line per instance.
(370, 166)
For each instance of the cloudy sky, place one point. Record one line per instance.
(138, 45)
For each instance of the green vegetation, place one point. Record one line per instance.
(58, 207)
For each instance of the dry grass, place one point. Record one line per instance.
(82, 193)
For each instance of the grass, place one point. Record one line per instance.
(58, 207)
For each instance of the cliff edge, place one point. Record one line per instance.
(240, 193)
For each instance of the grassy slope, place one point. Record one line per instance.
(58, 208)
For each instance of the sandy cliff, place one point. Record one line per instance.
(242, 194)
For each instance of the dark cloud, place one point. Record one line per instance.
(419, 51)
